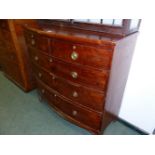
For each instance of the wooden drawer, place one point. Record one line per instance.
(83, 116)
(44, 91)
(86, 55)
(39, 59)
(82, 75)
(69, 71)
(37, 41)
(45, 76)
(75, 92)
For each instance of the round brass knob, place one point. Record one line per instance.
(74, 75)
(53, 77)
(43, 91)
(55, 95)
(75, 94)
(74, 113)
(32, 42)
(50, 60)
(40, 75)
(36, 58)
(74, 55)
(74, 47)
(32, 36)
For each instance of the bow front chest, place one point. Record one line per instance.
(78, 73)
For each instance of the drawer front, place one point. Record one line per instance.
(71, 72)
(75, 92)
(45, 76)
(86, 117)
(44, 92)
(37, 41)
(81, 75)
(39, 59)
(86, 55)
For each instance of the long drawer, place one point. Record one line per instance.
(79, 74)
(83, 116)
(75, 92)
(85, 55)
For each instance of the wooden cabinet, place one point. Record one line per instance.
(73, 69)
(14, 60)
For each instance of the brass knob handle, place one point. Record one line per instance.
(40, 75)
(74, 75)
(53, 77)
(74, 113)
(32, 36)
(74, 55)
(55, 95)
(43, 91)
(74, 47)
(50, 60)
(32, 42)
(75, 94)
(36, 58)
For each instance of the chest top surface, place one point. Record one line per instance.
(75, 35)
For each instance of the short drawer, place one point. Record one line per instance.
(85, 55)
(37, 41)
(83, 116)
(75, 92)
(79, 74)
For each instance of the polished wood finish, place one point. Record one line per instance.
(122, 31)
(86, 55)
(72, 70)
(79, 94)
(14, 59)
(82, 116)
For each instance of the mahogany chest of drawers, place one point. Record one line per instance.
(75, 72)
(14, 60)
